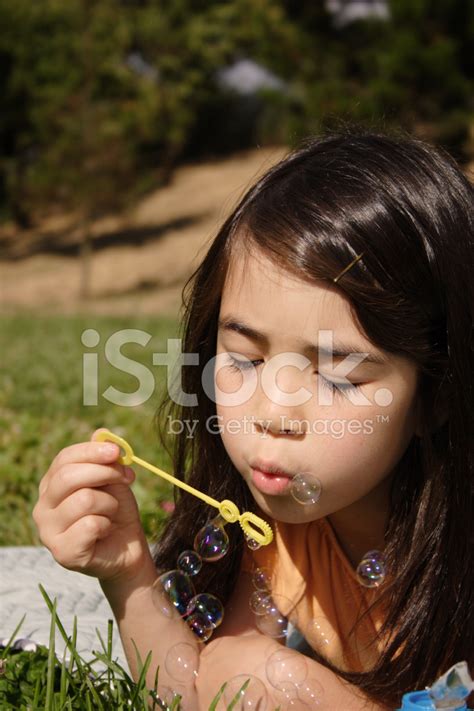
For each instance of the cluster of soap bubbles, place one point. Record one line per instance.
(372, 569)
(268, 618)
(287, 674)
(245, 691)
(181, 664)
(203, 612)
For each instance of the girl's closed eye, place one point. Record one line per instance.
(237, 365)
(338, 387)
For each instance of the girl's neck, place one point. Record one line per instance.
(361, 526)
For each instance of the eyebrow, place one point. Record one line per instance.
(339, 350)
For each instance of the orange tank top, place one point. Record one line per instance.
(314, 585)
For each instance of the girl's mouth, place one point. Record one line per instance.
(273, 484)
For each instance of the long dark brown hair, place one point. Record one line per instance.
(409, 208)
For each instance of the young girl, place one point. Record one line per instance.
(337, 300)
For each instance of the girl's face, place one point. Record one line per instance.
(283, 410)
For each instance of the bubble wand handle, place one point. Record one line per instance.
(251, 524)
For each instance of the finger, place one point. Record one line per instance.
(83, 502)
(88, 452)
(75, 547)
(82, 452)
(79, 476)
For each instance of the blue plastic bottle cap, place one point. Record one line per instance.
(421, 701)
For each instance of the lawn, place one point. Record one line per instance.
(42, 410)
(37, 680)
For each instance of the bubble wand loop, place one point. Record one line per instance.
(251, 524)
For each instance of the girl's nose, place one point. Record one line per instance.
(280, 407)
(284, 426)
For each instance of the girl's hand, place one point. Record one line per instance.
(87, 515)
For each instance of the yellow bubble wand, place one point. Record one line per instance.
(252, 525)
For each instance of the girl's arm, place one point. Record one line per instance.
(138, 609)
(238, 648)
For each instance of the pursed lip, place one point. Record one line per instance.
(268, 467)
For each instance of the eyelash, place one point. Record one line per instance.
(239, 365)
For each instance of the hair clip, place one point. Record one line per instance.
(346, 269)
(252, 525)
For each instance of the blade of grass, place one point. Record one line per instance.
(176, 703)
(37, 694)
(63, 687)
(102, 643)
(138, 656)
(155, 688)
(142, 678)
(94, 694)
(216, 699)
(4, 653)
(51, 661)
(73, 642)
(110, 625)
(107, 649)
(238, 696)
(61, 629)
(115, 667)
(141, 683)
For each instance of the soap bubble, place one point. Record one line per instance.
(371, 572)
(287, 697)
(261, 579)
(319, 633)
(167, 696)
(272, 622)
(259, 601)
(209, 606)
(161, 600)
(305, 488)
(200, 625)
(179, 588)
(284, 666)
(189, 562)
(252, 543)
(211, 542)
(182, 662)
(311, 692)
(254, 697)
(287, 606)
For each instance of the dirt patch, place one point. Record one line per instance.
(140, 260)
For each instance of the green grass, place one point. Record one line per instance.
(39, 681)
(42, 410)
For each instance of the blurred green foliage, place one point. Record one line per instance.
(42, 410)
(83, 127)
